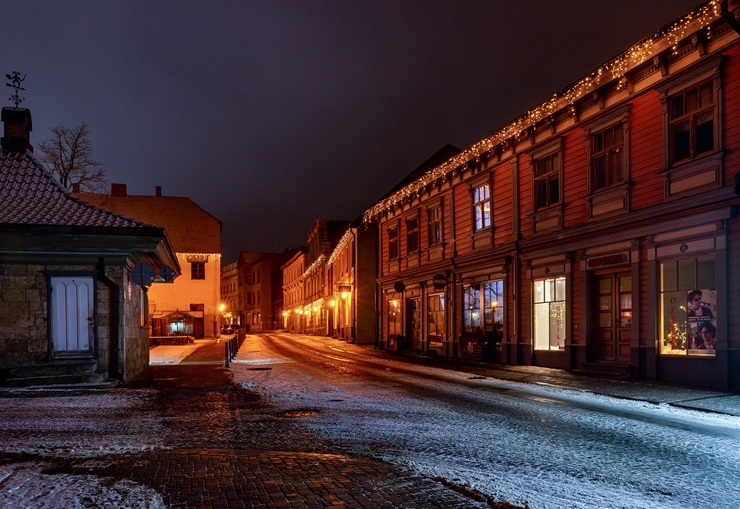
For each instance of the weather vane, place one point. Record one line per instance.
(15, 78)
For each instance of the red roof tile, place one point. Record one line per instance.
(30, 195)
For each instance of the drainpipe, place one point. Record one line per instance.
(729, 17)
(115, 319)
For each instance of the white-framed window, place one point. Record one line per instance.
(482, 206)
(549, 313)
(688, 306)
(197, 270)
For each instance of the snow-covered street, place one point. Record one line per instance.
(544, 446)
(524, 443)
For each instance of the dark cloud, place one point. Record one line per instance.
(269, 113)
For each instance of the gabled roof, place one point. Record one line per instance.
(439, 157)
(189, 227)
(29, 195)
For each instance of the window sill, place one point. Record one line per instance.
(694, 177)
(609, 202)
(548, 219)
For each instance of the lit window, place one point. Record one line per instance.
(688, 324)
(197, 270)
(482, 206)
(483, 313)
(549, 314)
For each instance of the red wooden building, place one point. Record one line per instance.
(598, 231)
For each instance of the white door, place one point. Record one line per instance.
(71, 315)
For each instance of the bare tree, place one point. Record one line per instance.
(67, 154)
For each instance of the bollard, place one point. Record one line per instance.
(226, 348)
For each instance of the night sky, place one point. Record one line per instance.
(268, 114)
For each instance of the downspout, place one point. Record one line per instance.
(355, 261)
(729, 17)
(115, 319)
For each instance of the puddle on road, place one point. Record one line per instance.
(299, 412)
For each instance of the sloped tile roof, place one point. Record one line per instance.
(189, 227)
(29, 195)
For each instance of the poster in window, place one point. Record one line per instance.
(701, 307)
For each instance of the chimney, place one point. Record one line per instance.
(118, 190)
(158, 191)
(17, 137)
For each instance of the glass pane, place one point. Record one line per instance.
(539, 291)
(541, 193)
(560, 289)
(625, 284)
(676, 107)
(541, 326)
(692, 100)
(686, 274)
(605, 286)
(554, 190)
(605, 302)
(597, 144)
(669, 280)
(681, 141)
(605, 319)
(706, 273)
(557, 326)
(706, 93)
(625, 301)
(625, 319)
(673, 323)
(705, 132)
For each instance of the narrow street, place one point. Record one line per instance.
(302, 421)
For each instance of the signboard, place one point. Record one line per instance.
(439, 281)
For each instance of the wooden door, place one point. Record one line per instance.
(614, 313)
(71, 315)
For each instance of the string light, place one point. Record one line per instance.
(617, 69)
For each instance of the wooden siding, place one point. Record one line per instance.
(646, 151)
(502, 206)
(463, 219)
(575, 178)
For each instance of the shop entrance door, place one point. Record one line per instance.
(614, 317)
(413, 324)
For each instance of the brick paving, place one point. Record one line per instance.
(222, 454)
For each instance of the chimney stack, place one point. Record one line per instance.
(158, 191)
(17, 137)
(118, 190)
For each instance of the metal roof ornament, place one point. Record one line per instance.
(15, 83)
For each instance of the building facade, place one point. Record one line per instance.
(72, 296)
(596, 232)
(189, 307)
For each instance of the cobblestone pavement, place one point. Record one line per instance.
(227, 453)
(223, 447)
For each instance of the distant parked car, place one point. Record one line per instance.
(227, 329)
